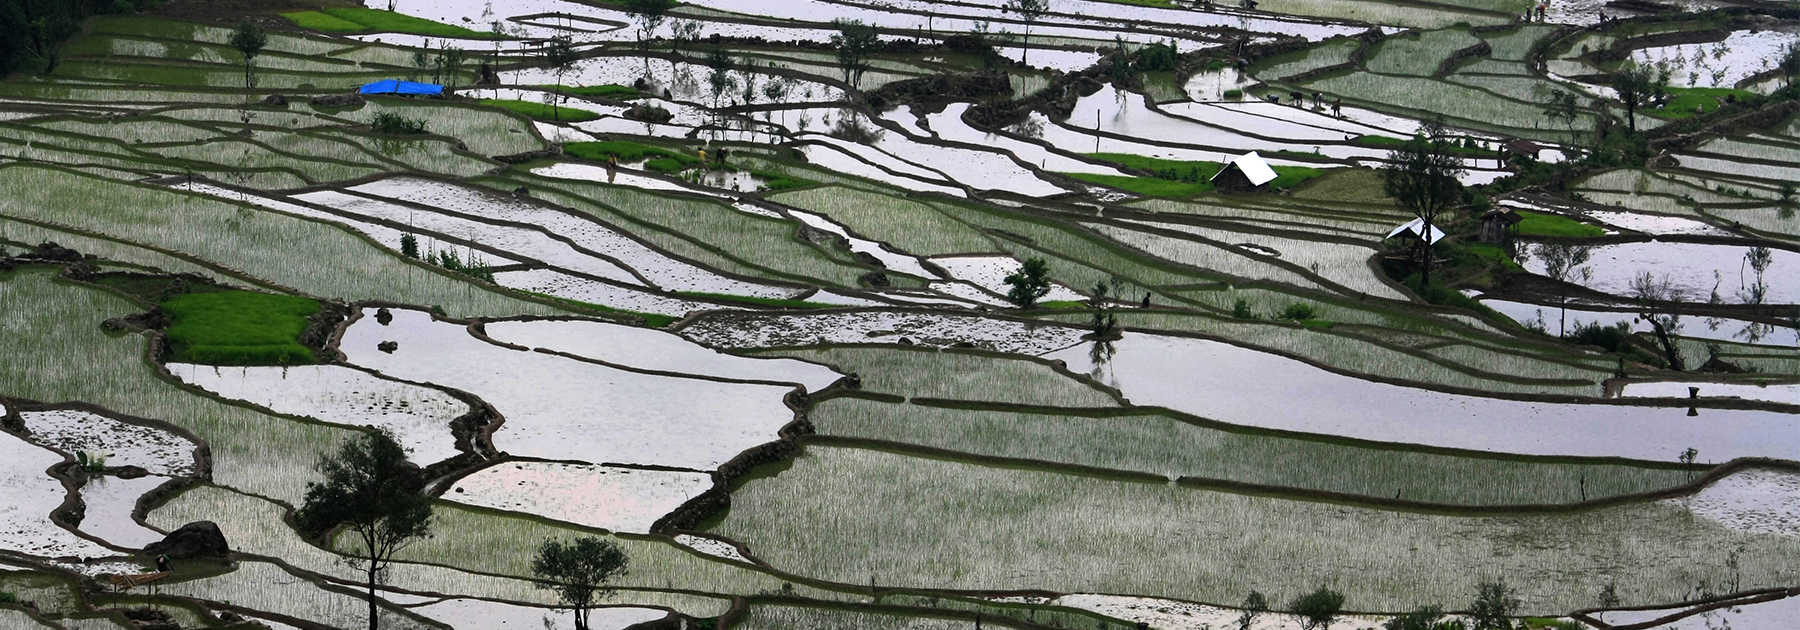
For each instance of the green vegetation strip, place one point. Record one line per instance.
(541, 111)
(239, 328)
(376, 20)
(1176, 179)
(1545, 224)
(654, 158)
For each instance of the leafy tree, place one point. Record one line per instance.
(450, 61)
(561, 57)
(1424, 618)
(649, 15)
(855, 42)
(1659, 302)
(249, 40)
(1562, 262)
(1422, 176)
(1254, 606)
(1029, 11)
(375, 494)
(1105, 325)
(1639, 86)
(580, 572)
(1029, 283)
(1495, 606)
(409, 245)
(721, 81)
(1564, 106)
(1790, 62)
(1319, 609)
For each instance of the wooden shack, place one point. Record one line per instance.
(1246, 173)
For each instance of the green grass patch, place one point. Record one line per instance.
(1688, 101)
(655, 159)
(376, 20)
(541, 111)
(776, 182)
(1176, 179)
(239, 328)
(1544, 224)
(620, 92)
(322, 22)
(1496, 254)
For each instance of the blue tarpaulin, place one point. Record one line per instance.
(392, 86)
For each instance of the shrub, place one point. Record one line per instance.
(1297, 311)
(1613, 337)
(1234, 93)
(1319, 608)
(1241, 309)
(394, 124)
(9, 597)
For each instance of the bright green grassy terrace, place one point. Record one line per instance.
(1177, 179)
(541, 111)
(599, 91)
(239, 328)
(1544, 224)
(376, 20)
(654, 158)
(1688, 101)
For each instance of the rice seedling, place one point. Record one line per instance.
(1419, 96)
(267, 587)
(1515, 44)
(780, 617)
(911, 226)
(485, 130)
(26, 234)
(1419, 55)
(706, 232)
(1068, 534)
(957, 376)
(259, 243)
(79, 362)
(1165, 445)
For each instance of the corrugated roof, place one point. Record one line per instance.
(1413, 227)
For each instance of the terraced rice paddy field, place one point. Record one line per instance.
(858, 314)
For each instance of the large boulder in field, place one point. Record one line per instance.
(199, 539)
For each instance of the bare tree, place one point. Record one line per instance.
(649, 15)
(1659, 304)
(1029, 11)
(855, 42)
(560, 55)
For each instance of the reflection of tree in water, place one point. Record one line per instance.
(1101, 357)
(1031, 127)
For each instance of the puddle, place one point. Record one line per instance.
(420, 417)
(615, 499)
(1246, 387)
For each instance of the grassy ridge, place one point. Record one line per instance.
(1176, 178)
(1543, 224)
(655, 159)
(541, 111)
(376, 20)
(239, 328)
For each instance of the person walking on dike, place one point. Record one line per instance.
(1337, 107)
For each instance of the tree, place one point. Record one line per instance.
(1254, 606)
(1423, 618)
(580, 572)
(1105, 325)
(249, 40)
(719, 60)
(375, 494)
(1318, 609)
(450, 60)
(1659, 302)
(1639, 86)
(649, 15)
(409, 245)
(1422, 176)
(1030, 283)
(1790, 62)
(1687, 458)
(855, 42)
(1494, 607)
(1564, 106)
(1029, 11)
(1561, 262)
(561, 57)
(1609, 598)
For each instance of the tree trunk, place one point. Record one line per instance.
(1662, 335)
(372, 571)
(1025, 55)
(1425, 259)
